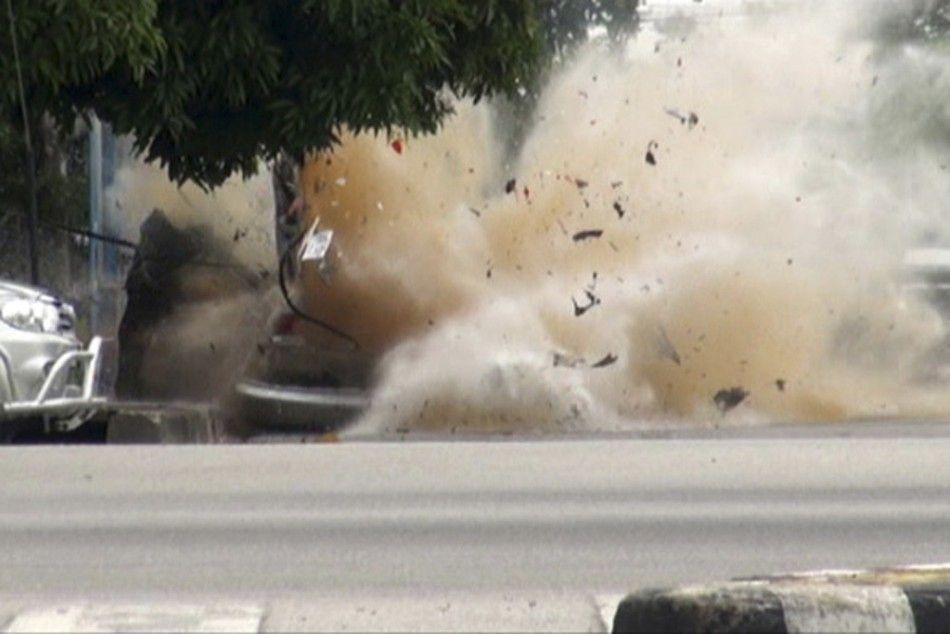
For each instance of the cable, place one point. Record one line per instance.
(282, 281)
(92, 235)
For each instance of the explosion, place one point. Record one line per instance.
(700, 215)
(707, 227)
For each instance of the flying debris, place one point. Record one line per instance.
(665, 347)
(588, 234)
(609, 359)
(592, 300)
(727, 399)
(690, 119)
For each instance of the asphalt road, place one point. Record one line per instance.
(325, 531)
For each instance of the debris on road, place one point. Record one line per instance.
(650, 157)
(780, 384)
(511, 185)
(619, 209)
(727, 399)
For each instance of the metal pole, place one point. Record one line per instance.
(95, 216)
(32, 222)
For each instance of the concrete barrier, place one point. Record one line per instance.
(909, 599)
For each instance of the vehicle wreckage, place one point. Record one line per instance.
(294, 381)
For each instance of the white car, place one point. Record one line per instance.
(46, 373)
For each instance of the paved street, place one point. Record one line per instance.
(325, 531)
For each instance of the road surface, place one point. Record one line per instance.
(325, 535)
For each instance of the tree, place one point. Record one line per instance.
(61, 45)
(50, 46)
(238, 80)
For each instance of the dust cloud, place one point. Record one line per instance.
(726, 209)
(237, 215)
(222, 299)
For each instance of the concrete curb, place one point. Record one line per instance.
(910, 599)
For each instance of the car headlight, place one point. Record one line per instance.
(30, 315)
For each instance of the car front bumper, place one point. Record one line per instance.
(69, 391)
(320, 409)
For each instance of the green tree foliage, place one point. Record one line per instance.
(61, 178)
(63, 45)
(236, 80)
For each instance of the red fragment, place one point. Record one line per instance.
(397, 146)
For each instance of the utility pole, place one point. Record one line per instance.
(32, 219)
(95, 216)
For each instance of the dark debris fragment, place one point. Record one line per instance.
(511, 185)
(592, 300)
(676, 115)
(729, 398)
(780, 384)
(609, 359)
(619, 209)
(690, 119)
(588, 234)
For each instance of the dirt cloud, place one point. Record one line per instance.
(750, 237)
